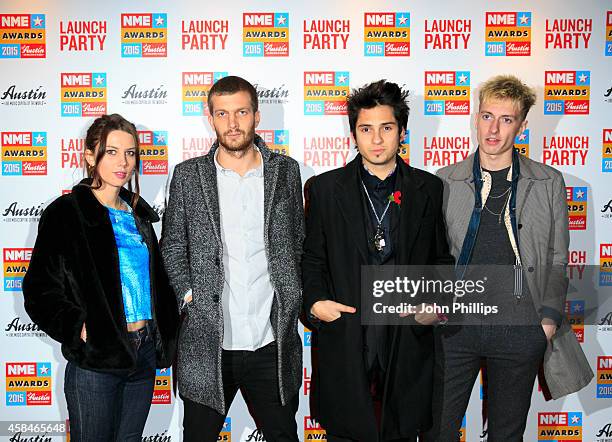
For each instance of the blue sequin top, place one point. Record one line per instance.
(133, 265)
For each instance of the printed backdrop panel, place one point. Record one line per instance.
(66, 62)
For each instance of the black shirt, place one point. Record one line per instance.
(379, 192)
(492, 242)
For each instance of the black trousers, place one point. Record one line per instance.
(255, 374)
(377, 380)
(513, 354)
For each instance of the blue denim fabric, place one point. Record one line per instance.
(472, 232)
(106, 407)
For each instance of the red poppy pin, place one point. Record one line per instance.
(396, 197)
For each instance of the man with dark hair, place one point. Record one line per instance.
(372, 383)
(232, 245)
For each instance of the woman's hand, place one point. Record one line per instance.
(84, 333)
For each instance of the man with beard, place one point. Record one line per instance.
(232, 244)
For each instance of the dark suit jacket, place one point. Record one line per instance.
(334, 251)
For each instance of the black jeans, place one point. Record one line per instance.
(513, 354)
(109, 407)
(255, 374)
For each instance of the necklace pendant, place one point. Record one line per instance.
(379, 239)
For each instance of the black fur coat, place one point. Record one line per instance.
(74, 277)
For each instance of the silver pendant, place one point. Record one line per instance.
(379, 239)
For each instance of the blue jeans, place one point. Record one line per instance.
(110, 407)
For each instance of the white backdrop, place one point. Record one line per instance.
(64, 62)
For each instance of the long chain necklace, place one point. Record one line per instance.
(379, 234)
(503, 209)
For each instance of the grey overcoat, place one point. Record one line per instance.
(192, 252)
(541, 211)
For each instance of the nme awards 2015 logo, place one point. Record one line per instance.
(608, 33)
(144, 35)
(28, 383)
(325, 93)
(277, 140)
(606, 151)
(559, 426)
(83, 94)
(204, 35)
(604, 377)
(225, 434)
(567, 92)
(574, 311)
(605, 264)
(386, 34)
(521, 143)
(162, 386)
(15, 262)
(508, 34)
(196, 86)
(462, 431)
(307, 337)
(447, 93)
(313, 429)
(24, 153)
(153, 152)
(265, 34)
(577, 207)
(326, 34)
(404, 148)
(82, 35)
(22, 36)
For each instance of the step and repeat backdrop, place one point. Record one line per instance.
(63, 63)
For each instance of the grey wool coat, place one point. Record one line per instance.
(193, 254)
(543, 241)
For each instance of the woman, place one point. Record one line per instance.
(96, 284)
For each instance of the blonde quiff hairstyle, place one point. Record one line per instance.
(508, 87)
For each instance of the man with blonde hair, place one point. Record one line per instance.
(507, 212)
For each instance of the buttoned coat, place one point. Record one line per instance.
(193, 254)
(543, 241)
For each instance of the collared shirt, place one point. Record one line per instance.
(379, 191)
(247, 291)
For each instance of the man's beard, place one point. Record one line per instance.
(240, 144)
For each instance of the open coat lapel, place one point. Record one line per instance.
(414, 201)
(270, 171)
(348, 197)
(208, 181)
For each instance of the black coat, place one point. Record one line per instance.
(334, 251)
(74, 278)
